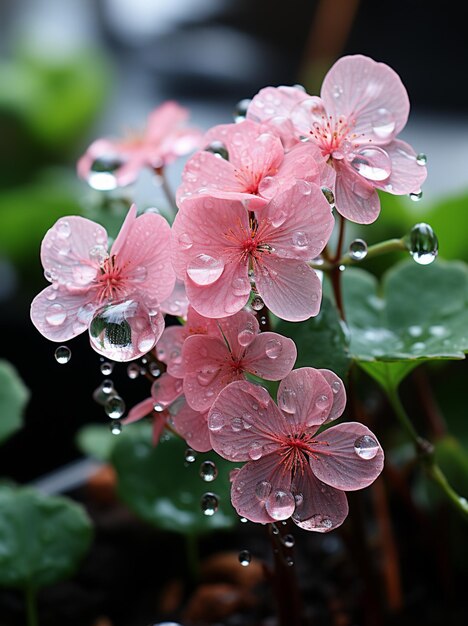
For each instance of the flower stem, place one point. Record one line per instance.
(426, 453)
(31, 607)
(391, 245)
(167, 190)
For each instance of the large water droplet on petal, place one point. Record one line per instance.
(208, 471)
(215, 420)
(372, 163)
(62, 354)
(366, 447)
(207, 375)
(255, 450)
(273, 348)
(422, 244)
(318, 523)
(185, 241)
(280, 504)
(383, 124)
(263, 490)
(102, 173)
(358, 249)
(55, 314)
(209, 504)
(257, 303)
(241, 286)
(204, 269)
(287, 400)
(124, 331)
(300, 239)
(218, 149)
(246, 335)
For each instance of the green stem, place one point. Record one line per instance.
(426, 453)
(391, 245)
(31, 608)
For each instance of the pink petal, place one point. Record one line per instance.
(159, 422)
(239, 331)
(244, 422)
(355, 199)
(192, 426)
(140, 410)
(301, 222)
(142, 248)
(351, 459)
(165, 390)
(60, 315)
(289, 288)
(406, 175)
(261, 491)
(319, 507)
(305, 398)
(339, 394)
(164, 120)
(270, 356)
(71, 250)
(177, 303)
(208, 368)
(169, 350)
(370, 93)
(272, 102)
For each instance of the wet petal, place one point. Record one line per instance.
(305, 398)
(169, 349)
(355, 198)
(270, 356)
(406, 175)
(239, 331)
(140, 410)
(192, 426)
(339, 394)
(165, 390)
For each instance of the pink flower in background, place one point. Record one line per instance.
(111, 163)
(177, 303)
(116, 295)
(217, 247)
(212, 362)
(363, 105)
(291, 470)
(248, 164)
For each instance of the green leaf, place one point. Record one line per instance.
(160, 488)
(14, 396)
(321, 341)
(417, 314)
(97, 441)
(42, 538)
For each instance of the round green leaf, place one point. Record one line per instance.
(42, 538)
(13, 398)
(164, 490)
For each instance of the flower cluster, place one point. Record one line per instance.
(255, 208)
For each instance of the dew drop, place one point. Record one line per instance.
(280, 504)
(257, 303)
(63, 229)
(366, 447)
(133, 371)
(215, 421)
(237, 424)
(288, 541)
(422, 244)
(246, 335)
(329, 196)
(336, 386)
(98, 253)
(287, 400)
(218, 149)
(190, 455)
(106, 368)
(383, 124)
(262, 490)
(207, 376)
(240, 110)
(209, 504)
(255, 450)
(55, 315)
(245, 557)
(243, 520)
(278, 219)
(240, 286)
(372, 163)
(273, 348)
(115, 407)
(300, 239)
(358, 249)
(416, 196)
(204, 269)
(102, 173)
(154, 370)
(185, 241)
(62, 354)
(107, 386)
(208, 471)
(115, 428)
(421, 159)
(289, 561)
(322, 401)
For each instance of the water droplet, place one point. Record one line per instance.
(329, 196)
(237, 424)
(273, 348)
(158, 407)
(240, 286)
(209, 504)
(204, 269)
(107, 386)
(383, 124)
(422, 244)
(287, 400)
(240, 110)
(115, 428)
(218, 149)
(215, 421)
(263, 320)
(243, 520)
(208, 471)
(55, 315)
(300, 239)
(206, 377)
(336, 386)
(421, 159)
(289, 541)
(62, 354)
(63, 229)
(262, 490)
(185, 241)
(106, 368)
(102, 173)
(322, 401)
(278, 219)
(257, 303)
(372, 163)
(289, 561)
(139, 274)
(366, 447)
(246, 335)
(133, 371)
(190, 455)
(416, 196)
(115, 407)
(154, 370)
(255, 450)
(245, 557)
(280, 504)
(358, 249)
(274, 529)
(318, 522)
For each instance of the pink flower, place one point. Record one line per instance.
(212, 362)
(254, 167)
(216, 244)
(291, 470)
(115, 163)
(363, 105)
(116, 295)
(177, 303)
